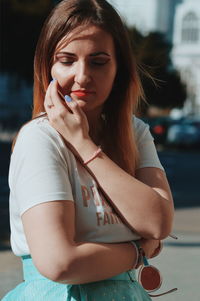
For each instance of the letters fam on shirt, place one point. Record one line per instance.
(104, 213)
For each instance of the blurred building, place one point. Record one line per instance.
(148, 15)
(186, 51)
(180, 21)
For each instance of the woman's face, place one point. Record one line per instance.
(86, 67)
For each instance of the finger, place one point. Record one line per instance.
(48, 104)
(73, 105)
(59, 109)
(56, 96)
(158, 250)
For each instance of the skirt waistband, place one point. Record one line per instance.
(30, 271)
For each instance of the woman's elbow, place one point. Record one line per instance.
(163, 228)
(161, 232)
(163, 223)
(159, 227)
(57, 270)
(156, 231)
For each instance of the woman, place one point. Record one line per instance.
(68, 235)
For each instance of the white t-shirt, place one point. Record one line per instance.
(42, 169)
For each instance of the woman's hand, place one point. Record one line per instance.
(66, 116)
(151, 247)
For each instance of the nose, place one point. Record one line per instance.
(82, 74)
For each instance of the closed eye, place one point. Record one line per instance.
(66, 62)
(65, 59)
(100, 62)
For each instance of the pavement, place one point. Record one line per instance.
(179, 262)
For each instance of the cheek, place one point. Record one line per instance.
(58, 72)
(62, 76)
(53, 71)
(105, 89)
(108, 81)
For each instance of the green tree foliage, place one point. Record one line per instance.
(21, 22)
(163, 88)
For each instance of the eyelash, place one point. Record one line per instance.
(93, 63)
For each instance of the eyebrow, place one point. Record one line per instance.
(92, 54)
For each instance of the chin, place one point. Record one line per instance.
(82, 104)
(88, 106)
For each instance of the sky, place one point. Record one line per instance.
(138, 12)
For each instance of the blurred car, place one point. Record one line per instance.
(185, 133)
(159, 128)
(170, 132)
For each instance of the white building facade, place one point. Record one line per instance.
(186, 51)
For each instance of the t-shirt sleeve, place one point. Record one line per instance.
(148, 156)
(38, 170)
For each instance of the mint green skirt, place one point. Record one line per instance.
(36, 287)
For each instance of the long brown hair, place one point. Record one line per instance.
(118, 137)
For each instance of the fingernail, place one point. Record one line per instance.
(68, 98)
(53, 80)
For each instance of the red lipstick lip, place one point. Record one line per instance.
(82, 93)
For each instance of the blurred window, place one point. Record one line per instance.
(190, 28)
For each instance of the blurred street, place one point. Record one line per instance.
(179, 261)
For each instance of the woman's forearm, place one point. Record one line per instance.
(143, 207)
(92, 262)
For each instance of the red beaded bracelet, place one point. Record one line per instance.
(96, 153)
